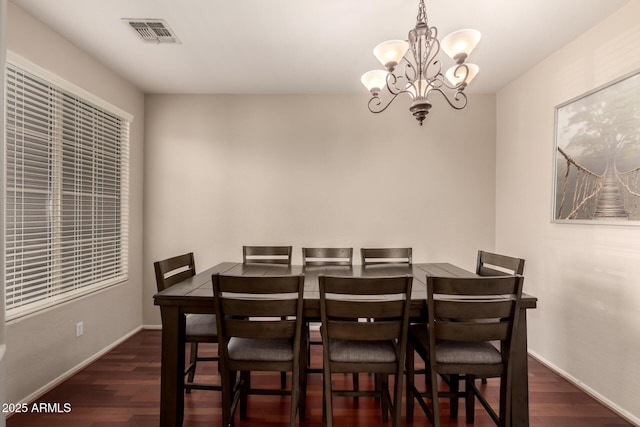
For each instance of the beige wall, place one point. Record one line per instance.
(45, 342)
(313, 170)
(587, 277)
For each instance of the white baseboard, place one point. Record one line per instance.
(600, 398)
(152, 327)
(65, 376)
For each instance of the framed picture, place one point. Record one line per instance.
(597, 155)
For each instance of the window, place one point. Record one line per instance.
(67, 180)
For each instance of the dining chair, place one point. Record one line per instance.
(199, 328)
(464, 317)
(491, 264)
(259, 329)
(324, 257)
(371, 256)
(278, 255)
(266, 255)
(377, 347)
(320, 257)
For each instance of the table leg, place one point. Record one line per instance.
(172, 370)
(520, 383)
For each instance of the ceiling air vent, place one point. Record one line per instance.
(153, 30)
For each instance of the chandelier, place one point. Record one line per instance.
(412, 67)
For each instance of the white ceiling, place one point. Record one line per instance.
(303, 46)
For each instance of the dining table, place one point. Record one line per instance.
(195, 295)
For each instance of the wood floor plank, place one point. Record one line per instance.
(123, 389)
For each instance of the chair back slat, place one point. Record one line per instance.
(475, 287)
(371, 256)
(459, 310)
(364, 285)
(491, 264)
(267, 329)
(255, 284)
(174, 270)
(472, 331)
(266, 255)
(327, 256)
(364, 331)
(365, 309)
(266, 308)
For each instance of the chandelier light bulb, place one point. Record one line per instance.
(391, 52)
(374, 80)
(459, 44)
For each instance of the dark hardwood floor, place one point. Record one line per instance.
(123, 389)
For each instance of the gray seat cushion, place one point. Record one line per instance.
(201, 325)
(456, 351)
(481, 353)
(362, 351)
(267, 350)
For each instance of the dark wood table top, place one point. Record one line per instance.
(198, 291)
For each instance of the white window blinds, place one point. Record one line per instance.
(66, 195)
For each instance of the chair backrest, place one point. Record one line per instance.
(385, 301)
(473, 309)
(257, 307)
(490, 264)
(266, 255)
(174, 270)
(327, 256)
(372, 256)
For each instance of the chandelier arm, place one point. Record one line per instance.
(375, 102)
(395, 79)
(459, 100)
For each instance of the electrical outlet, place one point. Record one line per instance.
(79, 329)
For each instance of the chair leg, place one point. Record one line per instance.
(469, 398)
(296, 392)
(410, 369)
(356, 383)
(504, 412)
(382, 384)
(307, 327)
(397, 399)
(245, 377)
(327, 396)
(302, 384)
(435, 399)
(324, 403)
(283, 380)
(193, 357)
(454, 388)
(227, 397)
